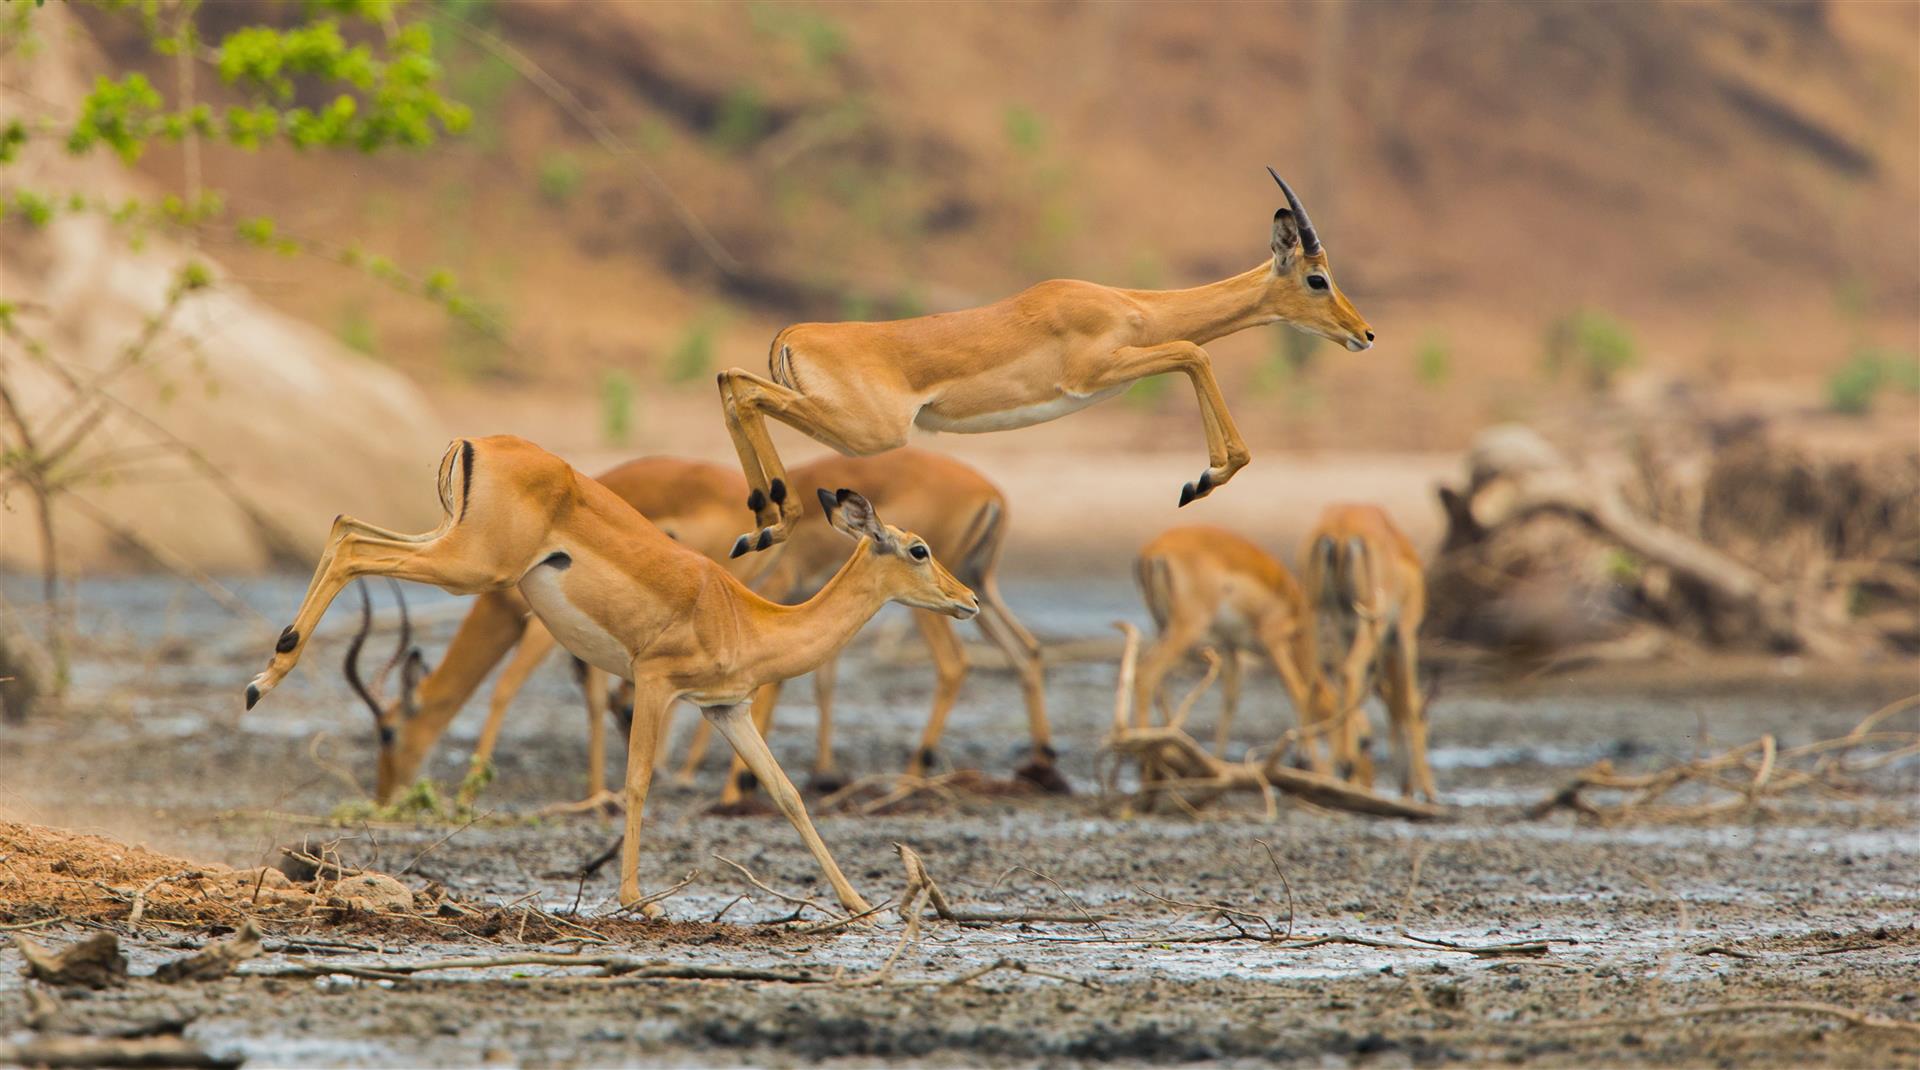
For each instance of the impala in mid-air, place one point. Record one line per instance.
(1047, 351)
(624, 597)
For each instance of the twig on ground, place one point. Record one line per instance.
(796, 900)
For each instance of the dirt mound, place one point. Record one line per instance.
(51, 872)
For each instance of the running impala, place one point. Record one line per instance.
(622, 596)
(1052, 349)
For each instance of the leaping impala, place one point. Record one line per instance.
(627, 599)
(1047, 351)
(696, 503)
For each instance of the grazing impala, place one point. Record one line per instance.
(1204, 583)
(627, 599)
(1368, 595)
(696, 503)
(1045, 352)
(963, 517)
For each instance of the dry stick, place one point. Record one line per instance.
(918, 876)
(1284, 882)
(140, 897)
(1721, 1010)
(799, 901)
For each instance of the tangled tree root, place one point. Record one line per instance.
(1173, 766)
(1741, 780)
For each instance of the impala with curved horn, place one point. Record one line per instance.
(1052, 349)
(622, 596)
(389, 719)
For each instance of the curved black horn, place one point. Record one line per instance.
(406, 639)
(1309, 241)
(353, 652)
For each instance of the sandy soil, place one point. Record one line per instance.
(1813, 901)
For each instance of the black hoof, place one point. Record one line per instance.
(756, 501)
(827, 785)
(253, 695)
(777, 492)
(288, 640)
(766, 539)
(927, 757)
(1205, 485)
(1187, 495)
(1044, 777)
(740, 546)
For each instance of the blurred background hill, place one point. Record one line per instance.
(1535, 204)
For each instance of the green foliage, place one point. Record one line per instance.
(616, 407)
(1853, 386)
(357, 330)
(422, 802)
(820, 38)
(1025, 130)
(560, 177)
(1433, 362)
(740, 121)
(1591, 345)
(692, 356)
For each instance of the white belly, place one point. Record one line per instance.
(1008, 419)
(580, 634)
(1231, 629)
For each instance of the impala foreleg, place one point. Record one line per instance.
(826, 772)
(535, 644)
(651, 697)
(1226, 450)
(352, 551)
(950, 671)
(1407, 711)
(1229, 700)
(741, 780)
(733, 723)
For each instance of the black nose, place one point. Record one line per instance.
(1369, 336)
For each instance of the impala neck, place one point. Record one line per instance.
(798, 639)
(1203, 313)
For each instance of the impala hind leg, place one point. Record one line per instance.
(1407, 710)
(1229, 700)
(746, 402)
(737, 727)
(737, 795)
(1226, 450)
(535, 644)
(449, 562)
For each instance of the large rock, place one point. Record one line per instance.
(303, 427)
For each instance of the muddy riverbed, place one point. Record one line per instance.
(1812, 900)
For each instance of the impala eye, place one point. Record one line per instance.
(919, 552)
(1316, 282)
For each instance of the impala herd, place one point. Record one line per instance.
(639, 574)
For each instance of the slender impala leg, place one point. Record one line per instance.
(1003, 630)
(651, 697)
(740, 779)
(1293, 677)
(747, 400)
(950, 671)
(451, 562)
(696, 751)
(826, 772)
(535, 644)
(1229, 700)
(1400, 691)
(733, 723)
(1184, 628)
(1352, 736)
(1226, 450)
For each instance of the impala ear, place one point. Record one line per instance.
(413, 672)
(854, 515)
(1286, 239)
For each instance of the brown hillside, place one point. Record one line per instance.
(1738, 182)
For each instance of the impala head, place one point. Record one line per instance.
(906, 563)
(397, 767)
(1300, 287)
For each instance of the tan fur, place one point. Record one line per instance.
(1205, 584)
(1044, 352)
(632, 601)
(1369, 594)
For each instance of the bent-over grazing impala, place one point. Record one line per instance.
(695, 503)
(963, 517)
(1368, 595)
(1206, 584)
(1047, 351)
(622, 596)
